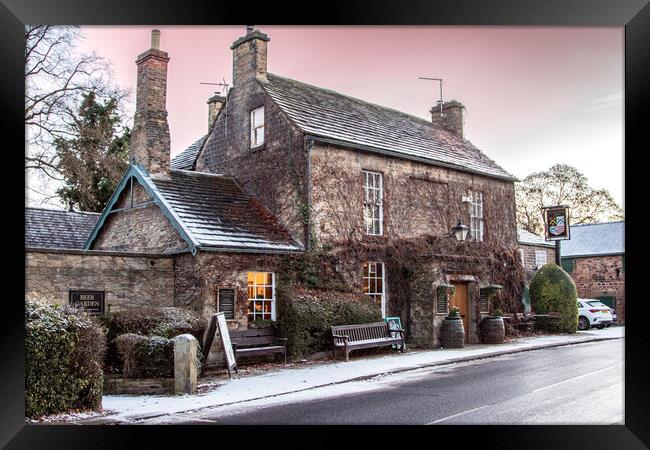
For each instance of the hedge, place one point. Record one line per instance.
(148, 356)
(305, 317)
(64, 350)
(552, 289)
(166, 322)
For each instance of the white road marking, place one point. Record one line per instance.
(459, 414)
(575, 378)
(536, 390)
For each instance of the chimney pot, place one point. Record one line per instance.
(249, 55)
(450, 116)
(215, 104)
(155, 39)
(150, 143)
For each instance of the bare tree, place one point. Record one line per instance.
(562, 185)
(56, 78)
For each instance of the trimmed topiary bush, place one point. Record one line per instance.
(305, 317)
(553, 290)
(64, 350)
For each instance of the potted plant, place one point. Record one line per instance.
(454, 313)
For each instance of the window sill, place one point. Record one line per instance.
(258, 148)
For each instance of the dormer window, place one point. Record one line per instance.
(257, 127)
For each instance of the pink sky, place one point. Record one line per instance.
(535, 96)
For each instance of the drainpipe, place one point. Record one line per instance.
(309, 145)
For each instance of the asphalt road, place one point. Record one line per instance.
(577, 384)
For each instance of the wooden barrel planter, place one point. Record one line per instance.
(493, 330)
(452, 333)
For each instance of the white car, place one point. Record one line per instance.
(593, 313)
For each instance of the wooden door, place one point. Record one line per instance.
(461, 299)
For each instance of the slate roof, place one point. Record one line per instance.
(218, 214)
(50, 228)
(594, 239)
(210, 212)
(327, 114)
(528, 238)
(186, 159)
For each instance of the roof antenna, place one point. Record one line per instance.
(436, 79)
(224, 85)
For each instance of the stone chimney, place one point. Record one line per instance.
(452, 117)
(150, 144)
(215, 104)
(249, 56)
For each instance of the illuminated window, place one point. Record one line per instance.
(476, 215)
(540, 258)
(261, 296)
(374, 284)
(257, 127)
(373, 210)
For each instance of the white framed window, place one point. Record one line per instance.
(520, 251)
(373, 208)
(540, 258)
(476, 215)
(257, 127)
(261, 296)
(374, 283)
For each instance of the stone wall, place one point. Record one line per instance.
(128, 280)
(139, 227)
(275, 172)
(198, 278)
(601, 276)
(418, 199)
(426, 322)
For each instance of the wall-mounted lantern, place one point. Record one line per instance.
(460, 231)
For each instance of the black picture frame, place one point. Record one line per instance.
(634, 15)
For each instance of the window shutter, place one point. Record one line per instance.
(567, 264)
(483, 303)
(441, 303)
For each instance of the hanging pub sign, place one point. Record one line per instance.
(90, 301)
(556, 223)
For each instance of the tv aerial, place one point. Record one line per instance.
(223, 85)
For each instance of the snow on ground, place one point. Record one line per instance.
(280, 382)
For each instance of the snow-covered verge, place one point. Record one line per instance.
(128, 409)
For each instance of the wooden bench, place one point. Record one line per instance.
(258, 341)
(366, 335)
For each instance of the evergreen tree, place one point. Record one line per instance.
(94, 157)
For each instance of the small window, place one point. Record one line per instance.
(261, 296)
(476, 215)
(374, 283)
(373, 208)
(540, 258)
(257, 127)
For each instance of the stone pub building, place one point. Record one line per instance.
(288, 168)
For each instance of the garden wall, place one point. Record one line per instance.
(129, 280)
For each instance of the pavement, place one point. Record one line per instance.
(125, 409)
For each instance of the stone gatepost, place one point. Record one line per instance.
(185, 364)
